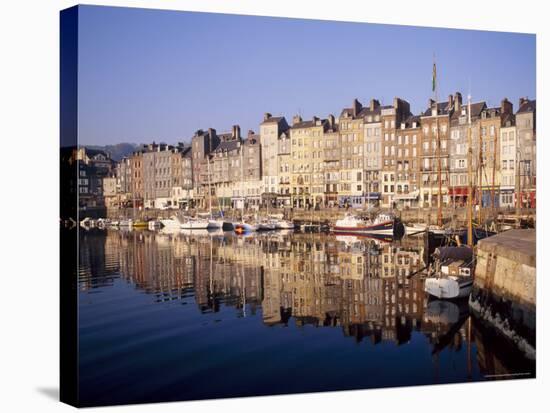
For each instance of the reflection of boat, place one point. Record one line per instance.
(87, 223)
(446, 312)
(139, 224)
(454, 267)
(284, 224)
(202, 232)
(383, 224)
(126, 222)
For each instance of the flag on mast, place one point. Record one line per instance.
(433, 78)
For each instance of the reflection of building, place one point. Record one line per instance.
(319, 280)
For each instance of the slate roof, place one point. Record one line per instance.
(409, 121)
(528, 106)
(308, 124)
(508, 119)
(476, 108)
(227, 146)
(273, 119)
(442, 109)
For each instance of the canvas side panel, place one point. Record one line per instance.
(68, 206)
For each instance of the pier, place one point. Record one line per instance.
(504, 294)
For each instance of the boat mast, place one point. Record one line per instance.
(480, 174)
(242, 182)
(438, 153)
(493, 191)
(209, 186)
(470, 183)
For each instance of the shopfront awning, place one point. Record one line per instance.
(458, 191)
(409, 196)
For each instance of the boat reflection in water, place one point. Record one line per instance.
(174, 315)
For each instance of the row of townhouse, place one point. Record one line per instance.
(156, 176)
(372, 154)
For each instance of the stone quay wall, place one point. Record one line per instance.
(504, 293)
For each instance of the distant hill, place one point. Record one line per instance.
(118, 151)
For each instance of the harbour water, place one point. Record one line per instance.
(194, 315)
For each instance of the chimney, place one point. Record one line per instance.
(356, 107)
(331, 121)
(250, 132)
(506, 106)
(450, 105)
(267, 116)
(236, 132)
(395, 103)
(433, 107)
(458, 101)
(522, 100)
(296, 119)
(374, 103)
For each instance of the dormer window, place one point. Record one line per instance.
(402, 125)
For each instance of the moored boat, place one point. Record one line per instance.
(195, 223)
(454, 273)
(384, 224)
(267, 225)
(243, 227)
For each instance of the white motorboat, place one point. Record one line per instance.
(454, 268)
(153, 225)
(267, 225)
(86, 223)
(195, 223)
(383, 224)
(171, 223)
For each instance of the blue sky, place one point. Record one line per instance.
(160, 75)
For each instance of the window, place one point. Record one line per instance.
(504, 164)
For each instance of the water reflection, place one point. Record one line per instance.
(292, 282)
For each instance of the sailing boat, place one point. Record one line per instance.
(243, 227)
(213, 223)
(268, 223)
